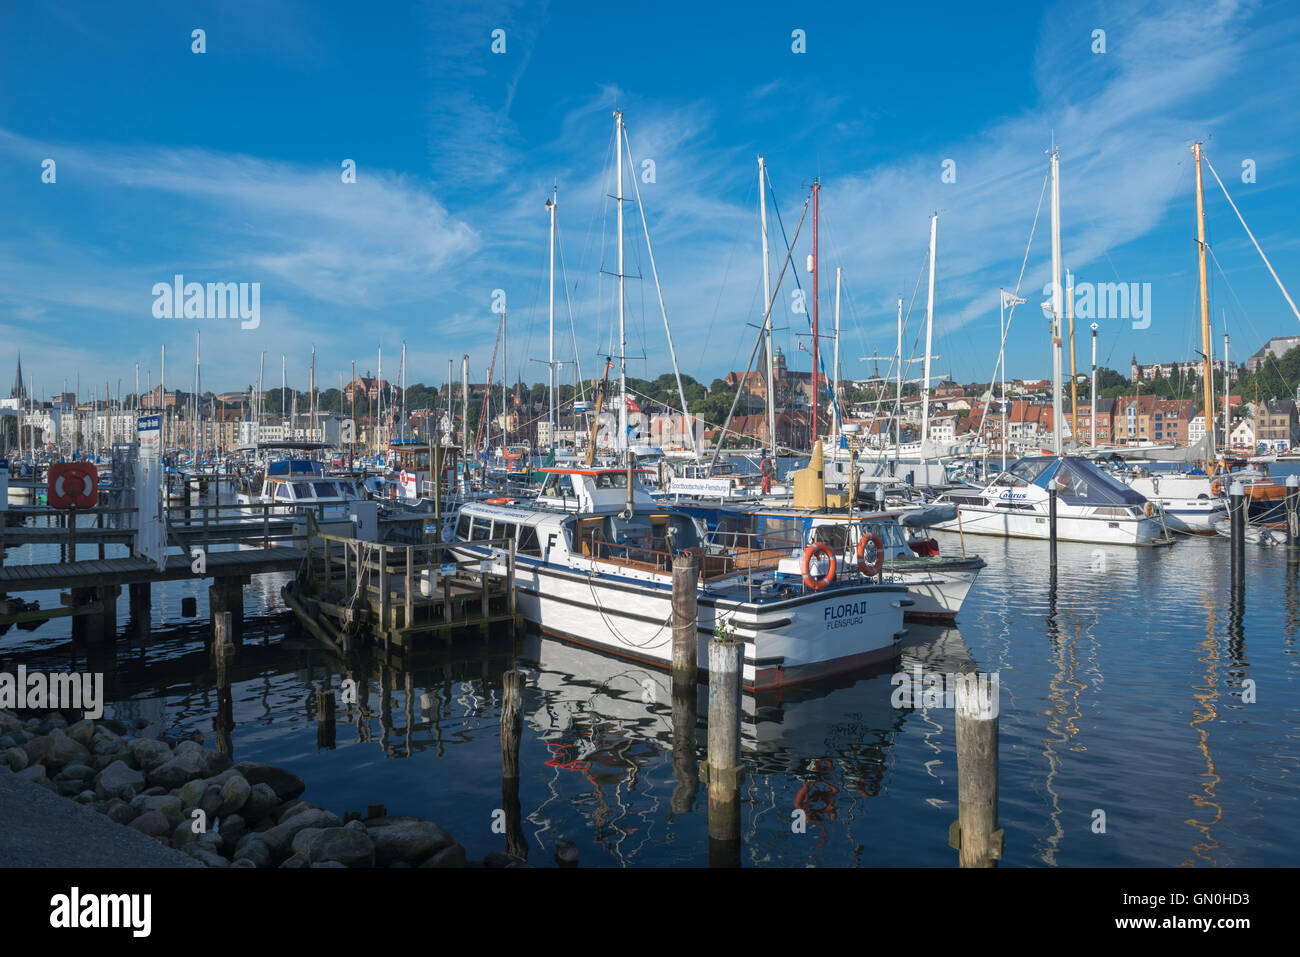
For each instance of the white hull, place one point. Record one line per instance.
(938, 593)
(1029, 523)
(786, 641)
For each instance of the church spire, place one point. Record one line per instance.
(19, 391)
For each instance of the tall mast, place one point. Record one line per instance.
(835, 370)
(1074, 389)
(284, 394)
(311, 393)
(379, 392)
(1207, 377)
(898, 386)
(550, 361)
(929, 336)
(1056, 300)
(622, 336)
(261, 370)
(464, 408)
(162, 390)
(767, 304)
(816, 339)
(1002, 362)
(1227, 390)
(198, 396)
(1093, 389)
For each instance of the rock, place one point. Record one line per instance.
(342, 845)
(304, 839)
(165, 804)
(286, 785)
(502, 859)
(253, 848)
(355, 824)
(9, 723)
(408, 839)
(36, 773)
(209, 857)
(64, 750)
(149, 753)
(121, 812)
(328, 864)
(153, 823)
(153, 791)
(233, 829)
(291, 808)
(75, 772)
(106, 741)
(242, 862)
(56, 720)
(184, 834)
(15, 758)
(83, 732)
(234, 794)
(118, 780)
(38, 749)
(8, 741)
(85, 797)
(453, 856)
(211, 800)
(262, 800)
(279, 839)
(297, 860)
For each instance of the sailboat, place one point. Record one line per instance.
(1091, 506)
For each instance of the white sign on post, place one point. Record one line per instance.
(151, 529)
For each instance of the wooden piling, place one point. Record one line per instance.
(975, 834)
(512, 724)
(685, 769)
(1237, 511)
(325, 727)
(1051, 521)
(724, 767)
(686, 581)
(1292, 519)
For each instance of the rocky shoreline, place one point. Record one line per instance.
(192, 798)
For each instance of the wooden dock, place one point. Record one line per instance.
(399, 595)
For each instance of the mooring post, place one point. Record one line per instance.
(325, 727)
(1292, 519)
(1051, 520)
(1237, 510)
(685, 770)
(512, 725)
(686, 583)
(724, 768)
(975, 834)
(227, 595)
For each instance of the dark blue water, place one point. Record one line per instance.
(1121, 692)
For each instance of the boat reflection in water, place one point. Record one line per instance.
(620, 746)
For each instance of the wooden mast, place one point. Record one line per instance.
(1207, 376)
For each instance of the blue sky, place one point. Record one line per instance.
(225, 166)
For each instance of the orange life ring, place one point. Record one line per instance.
(1217, 488)
(501, 501)
(817, 584)
(863, 567)
(72, 485)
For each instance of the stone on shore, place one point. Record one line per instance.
(279, 839)
(285, 784)
(118, 781)
(407, 839)
(153, 823)
(348, 847)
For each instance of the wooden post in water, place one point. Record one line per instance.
(975, 834)
(512, 724)
(1292, 519)
(325, 727)
(724, 768)
(1237, 511)
(685, 769)
(686, 617)
(1051, 520)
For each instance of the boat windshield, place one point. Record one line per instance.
(1023, 472)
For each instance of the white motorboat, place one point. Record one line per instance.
(599, 573)
(1091, 506)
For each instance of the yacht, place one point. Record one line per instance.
(293, 481)
(593, 561)
(1091, 506)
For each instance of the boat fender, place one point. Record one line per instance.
(878, 549)
(1149, 509)
(817, 584)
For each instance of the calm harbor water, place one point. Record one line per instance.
(1121, 691)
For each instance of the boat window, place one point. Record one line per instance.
(528, 542)
(1024, 471)
(890, 533)
(782, 532)
(482, 530)
(462, 527)
(610, 480)
(836, 536)
(325, 489)
(283, 492)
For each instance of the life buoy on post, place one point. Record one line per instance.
(768, 470)
(72, 485)
(818, 548)
(1217, 488)
(864, 566)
